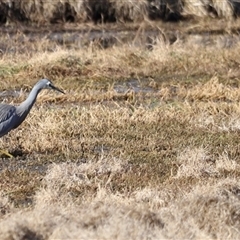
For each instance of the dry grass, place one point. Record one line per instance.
(47, 12)
(213, 8)
(144, 145)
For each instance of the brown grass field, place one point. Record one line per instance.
(144, 144)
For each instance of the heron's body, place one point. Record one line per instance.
(7, 116)
(12, 116)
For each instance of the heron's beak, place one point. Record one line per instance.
(57, 89)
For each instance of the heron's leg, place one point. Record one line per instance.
(6, 153)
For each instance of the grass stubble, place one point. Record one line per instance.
(109, 160)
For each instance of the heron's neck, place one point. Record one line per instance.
(28, 103)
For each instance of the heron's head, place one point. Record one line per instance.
(47, 84)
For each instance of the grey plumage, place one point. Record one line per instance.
(12, 116)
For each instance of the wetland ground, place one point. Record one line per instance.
(143, 145)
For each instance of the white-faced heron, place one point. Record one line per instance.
(12, 116)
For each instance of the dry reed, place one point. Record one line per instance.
(46, 12)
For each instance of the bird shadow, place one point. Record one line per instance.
(18, 152)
